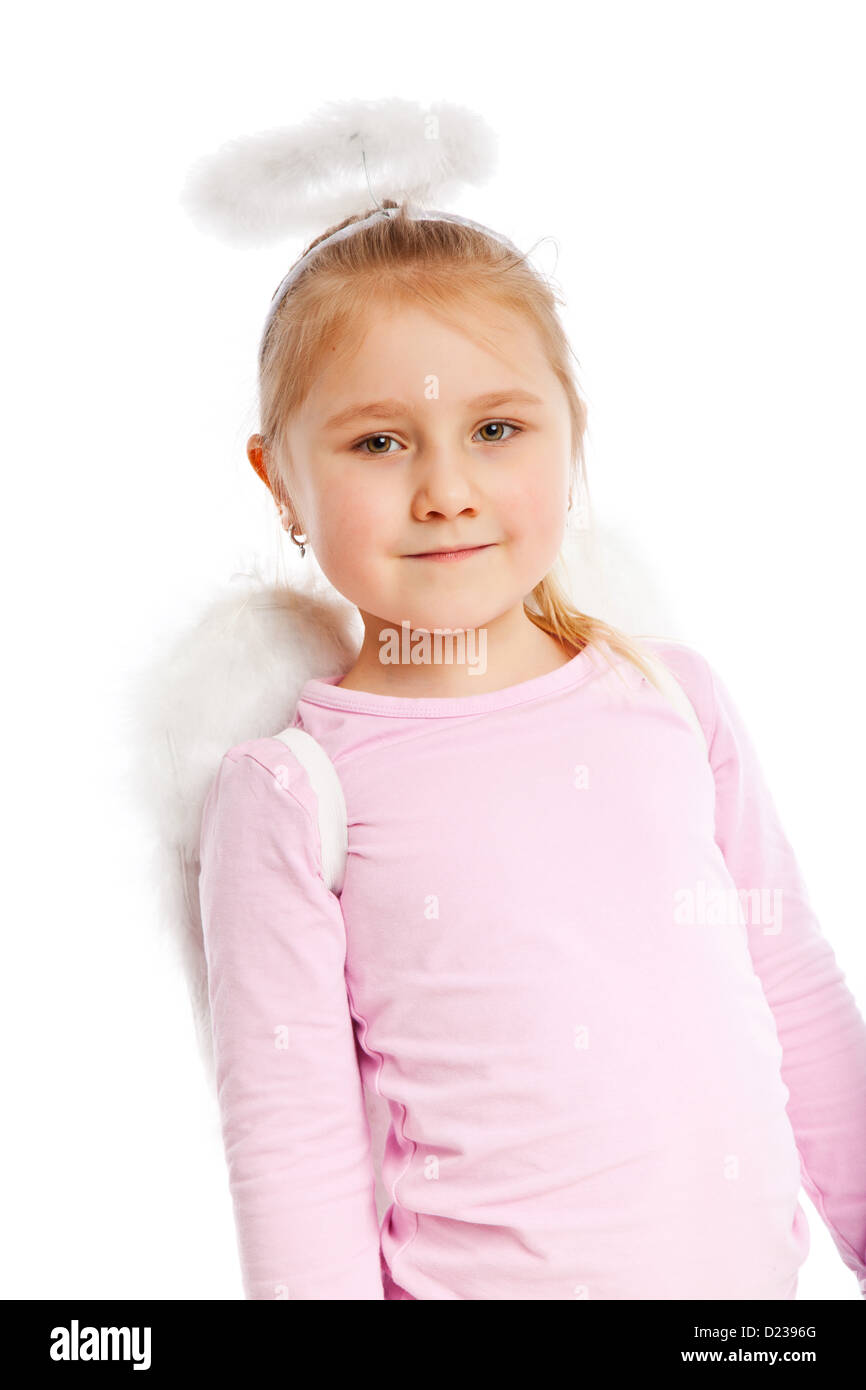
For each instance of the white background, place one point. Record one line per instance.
(697, 171)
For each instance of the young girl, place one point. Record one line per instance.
(573, 952)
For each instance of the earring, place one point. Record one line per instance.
(289, 526)
(299, 540)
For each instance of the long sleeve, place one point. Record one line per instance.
(295, 1132)
(821, 1031)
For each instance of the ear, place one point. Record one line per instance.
(257, 455)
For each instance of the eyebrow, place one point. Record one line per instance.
(379, 408)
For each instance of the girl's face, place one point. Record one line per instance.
(396, 452)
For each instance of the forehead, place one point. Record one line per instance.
(389, 343)
(479, 322)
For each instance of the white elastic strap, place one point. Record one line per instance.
(333, 827)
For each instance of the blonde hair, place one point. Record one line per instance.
(441, 265)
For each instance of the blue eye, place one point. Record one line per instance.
(383, 453)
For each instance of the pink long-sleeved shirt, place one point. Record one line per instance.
(575, 955)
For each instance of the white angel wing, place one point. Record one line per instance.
(234, 675)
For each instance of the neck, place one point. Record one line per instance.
(417, 663)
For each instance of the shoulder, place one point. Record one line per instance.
(264, 767)
(260, 815)
(693, 672)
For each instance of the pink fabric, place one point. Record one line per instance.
(597, 1089)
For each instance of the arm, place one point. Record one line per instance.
(821, 1032)
(294, 1127)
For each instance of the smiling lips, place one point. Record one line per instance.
(451, 554)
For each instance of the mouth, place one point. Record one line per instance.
(459, 553)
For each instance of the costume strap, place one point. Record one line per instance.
(333, 827)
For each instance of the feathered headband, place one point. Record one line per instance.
(260, 188)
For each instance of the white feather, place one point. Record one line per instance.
(234, 675)
(297, 179)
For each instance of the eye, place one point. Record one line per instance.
(373, 438)
(486, 426)
(382, 453)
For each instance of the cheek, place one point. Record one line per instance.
(351, 516)
(534, 514)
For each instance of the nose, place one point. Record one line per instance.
(444, 491)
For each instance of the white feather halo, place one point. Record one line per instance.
(293, 180)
